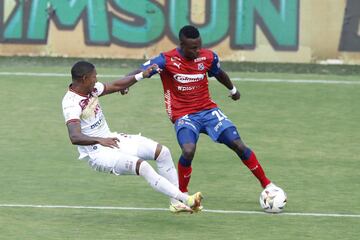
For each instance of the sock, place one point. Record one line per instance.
(250, 160)
(184, 171)
(160, 183)
(166, 168)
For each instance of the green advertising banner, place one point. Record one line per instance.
(239, 30)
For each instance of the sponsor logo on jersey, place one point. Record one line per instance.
(188, 78)
(199, 59)
(180, 122)
(186, 88)
(98, 123)
(167, 97)
(177, 64)
(201, 66)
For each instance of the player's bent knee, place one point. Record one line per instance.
(164, 153)
(165, 150)
(239, 145)
(160, 151)
(143, 166)
(188, 150)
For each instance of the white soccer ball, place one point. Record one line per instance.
(273, 200)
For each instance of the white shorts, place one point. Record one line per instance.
(122, 160)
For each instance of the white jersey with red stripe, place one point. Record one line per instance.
(87, 110)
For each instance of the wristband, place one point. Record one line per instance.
(139, 76)
(233, 90)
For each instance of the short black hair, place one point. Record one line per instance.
(81, 68)
(189, 31)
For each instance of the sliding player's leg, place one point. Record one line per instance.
(148, 149)
(113, 161)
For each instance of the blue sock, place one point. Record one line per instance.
(184, 162)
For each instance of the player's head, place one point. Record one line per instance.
(190, 41)
(84, 73)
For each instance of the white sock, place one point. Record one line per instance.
(167, 168)
(160, 183)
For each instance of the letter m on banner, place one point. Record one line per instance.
(29, 20)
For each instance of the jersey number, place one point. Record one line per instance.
(219, 115)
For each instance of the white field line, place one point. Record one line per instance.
(309, 81)
(165, 209)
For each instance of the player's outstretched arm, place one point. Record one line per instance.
(128, 80)
(78, 138)
(126, 90)
(224, 79)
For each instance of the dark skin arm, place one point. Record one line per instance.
(127, 81)
(78, 138)
(126, 90)
(224, 79)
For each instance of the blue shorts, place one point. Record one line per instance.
(211, 122)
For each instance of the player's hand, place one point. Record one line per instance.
(109, 142)
(151, 71)
(124, 91)
(235, 96)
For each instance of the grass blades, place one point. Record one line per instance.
(305, 135)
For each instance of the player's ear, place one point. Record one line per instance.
(83, 78)
(181, 42)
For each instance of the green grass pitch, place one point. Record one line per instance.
(306, 135)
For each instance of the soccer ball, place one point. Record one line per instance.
(273, 200)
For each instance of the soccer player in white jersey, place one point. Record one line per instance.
(115, 153)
